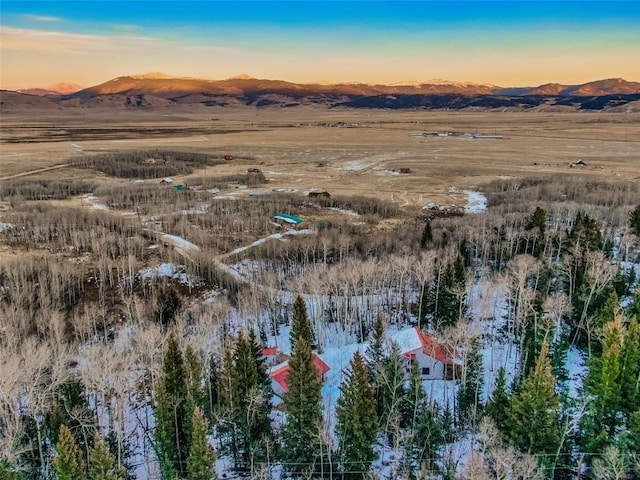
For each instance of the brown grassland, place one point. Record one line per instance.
(340, 151)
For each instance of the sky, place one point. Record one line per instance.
(506, 43)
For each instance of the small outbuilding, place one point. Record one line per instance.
(289, 219)
(319, 195)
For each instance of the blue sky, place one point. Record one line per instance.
(507, 42)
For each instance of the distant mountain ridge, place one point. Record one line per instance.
(158, 90)
(57, 89)
(162, 84)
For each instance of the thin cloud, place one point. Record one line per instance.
(54, 41)
(42, 18)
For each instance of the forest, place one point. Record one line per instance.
(138, 323)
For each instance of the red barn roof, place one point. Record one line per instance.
(279, 373)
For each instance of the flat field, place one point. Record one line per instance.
(340, 151)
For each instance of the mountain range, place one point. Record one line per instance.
(160, 90)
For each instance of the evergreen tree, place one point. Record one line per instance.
(70, 408)
(211, 390)
(427, 235)
(414, 398)
(201, 456)
(102, 463)
(251, 406)
(170, 304)
(300, 324)
(172, 413)
(7, 471)
(392, 393)
(469, 396)
(634, 220)
(357, 422)
(193, 370)
(630, 369)
(375, 351)
(301, 432)
(499, 406)
(602, 420)
(538, 220)
(444, 302)
(585, 233)
(429, 436)
(535, 427)
(376, 357)
(68, 464)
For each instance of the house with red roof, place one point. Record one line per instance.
(436, 361)
(279, 374)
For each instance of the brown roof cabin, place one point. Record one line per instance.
(319, 195)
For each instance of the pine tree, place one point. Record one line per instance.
(444, 302)
(172, 413)
(357, 422)
(630, 369)
(634, 221)
(375, 350)
(535, 425)
(193, 370)
(250, 414)
(70, 408)
(469, 396)
(429, 436)
(102, 463)
(538, 219)
(392, 393)
(602, 420)
(169, 308)
(375, 355)
(7, 471)
(300, 324)
(427, 235)
(211, 390)
(68, 465)
(201, 456)
(414, 398)
(499, 406)
(301, 448)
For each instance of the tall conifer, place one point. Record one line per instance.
(172, 413)
(201, 456)
(102, 463)
(301, 432)
(357, 423)
(300, 324)
(68, 464)
(535, 424)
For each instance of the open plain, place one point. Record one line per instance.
(340, 151)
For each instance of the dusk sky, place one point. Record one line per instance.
(506, 43)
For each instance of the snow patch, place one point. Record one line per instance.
(477, 202)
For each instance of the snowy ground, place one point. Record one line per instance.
(477, 202)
